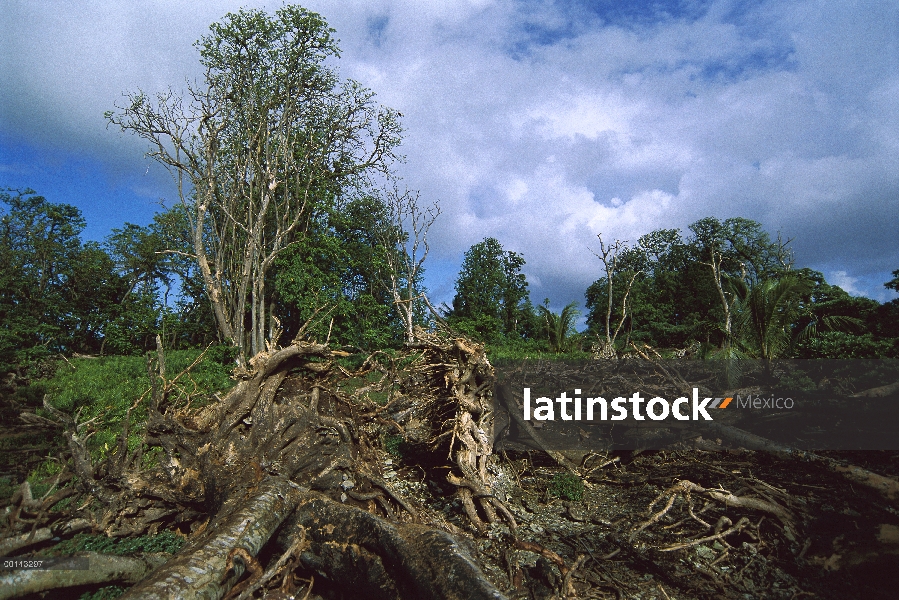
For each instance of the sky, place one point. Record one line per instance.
(539, 123)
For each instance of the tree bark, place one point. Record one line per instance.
(206, 568)
(103, 569)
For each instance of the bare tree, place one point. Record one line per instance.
(610, 256)
(268, 137)
(407, 248)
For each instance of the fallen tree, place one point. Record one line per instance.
(282, 486)
(286, 461)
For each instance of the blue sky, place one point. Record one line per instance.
(539, 123)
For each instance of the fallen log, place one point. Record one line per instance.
(886, 486)
(103, 569)
(202, 569)
(278, 461)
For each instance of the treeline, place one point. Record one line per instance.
(725, 285)
(59, 294)
(290, 219)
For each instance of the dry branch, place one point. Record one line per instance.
(886, 486)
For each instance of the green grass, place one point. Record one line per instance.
(102, 390)
(568, 486)
(531, 349)
(165, 541)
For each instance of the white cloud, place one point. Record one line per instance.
(843, 280)
(543, 124)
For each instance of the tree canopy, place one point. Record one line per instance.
(491, 292)
(260, 149)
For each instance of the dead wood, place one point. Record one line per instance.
(103, 569)
(271, 457)
(17, 543)
(373, 558)
(506, 399)
(878, 392)
(886, 486)
(203, 569)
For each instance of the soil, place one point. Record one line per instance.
(843, 544)
(633, 534)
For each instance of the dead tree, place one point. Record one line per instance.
(407, 250)
(287, 461)
(610, 257)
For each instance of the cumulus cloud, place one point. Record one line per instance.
(544, 124)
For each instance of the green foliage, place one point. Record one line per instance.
(883, 321)
(105, 388)
(893, 284)
(109, 592)
(268, 144)
(165, 541)
(39, 478)
(765, 316)
(491, 293)
(39, 249)
(340, 266)
(559, 327)
(567, 485)
(672, 300)
(839, 344)
(394, 445)
(59, 295)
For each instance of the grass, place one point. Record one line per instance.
(164, 541)
(102, 390)
(568, 486)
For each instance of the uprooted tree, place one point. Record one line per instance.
(287, 461)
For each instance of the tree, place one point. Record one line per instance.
(342, 265)
(559, 327)
(767, 313)
(491, 291)
(405, 254)
(39, 248)
(738, 245)
(617, 258)
(269, 139)
(893, 284)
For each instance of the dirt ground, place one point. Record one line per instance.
(657, 524)
(844, 542)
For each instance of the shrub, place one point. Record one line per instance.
(394, 445)
(568, 486)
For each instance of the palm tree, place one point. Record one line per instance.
(560, 326)
(766, 315)
(771, 318)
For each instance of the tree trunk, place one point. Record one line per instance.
(287, 461)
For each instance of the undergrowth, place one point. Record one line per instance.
(98, 392)
(165, 541)
(567, 486)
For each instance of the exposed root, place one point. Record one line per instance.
(742, 523)
(684, 488)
